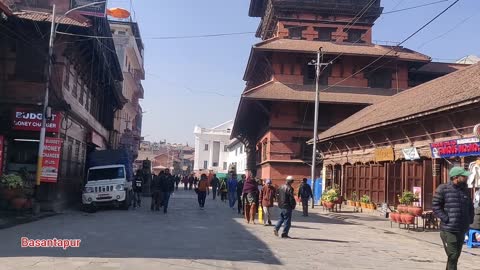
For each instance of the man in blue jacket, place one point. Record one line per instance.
(232, 189)
(453, 205)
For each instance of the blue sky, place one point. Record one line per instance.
(199, 81)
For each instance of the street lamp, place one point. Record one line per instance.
(53, 30)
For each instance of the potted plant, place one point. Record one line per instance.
(413, 209)
(405, 200)
(331, 196)
(365, 201)
(395, 217)
(11, 185)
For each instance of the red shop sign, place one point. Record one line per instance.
(31, 120)
(51, 159)
(2, 140)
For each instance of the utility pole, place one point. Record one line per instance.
(45, 105)
(319, 67)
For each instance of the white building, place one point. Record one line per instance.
(211, 148)
(237, 155)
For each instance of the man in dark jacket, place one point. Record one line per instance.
(240, 203)
(168, 186)
(215, 184)
(305, 193)
(286, 202)
(453, 205)
(137, 189)
(156, 190)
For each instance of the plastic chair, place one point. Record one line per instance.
(470, 243)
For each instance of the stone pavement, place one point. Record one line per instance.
(214, 238)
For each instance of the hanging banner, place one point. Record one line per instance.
(97, 10)
(2, 141)
(31, 120)
(51, 159)
(456, 148)
(384, 154)
(410, 153)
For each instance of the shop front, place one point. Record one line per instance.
(19, 143)
(463, 152)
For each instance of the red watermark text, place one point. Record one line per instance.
(49, 243)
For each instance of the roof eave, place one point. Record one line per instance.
(395, 121)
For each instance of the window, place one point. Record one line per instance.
(264, 151)
(241, 149)
(295, 31)
(122, 33)
(82, 94)
(76, 87)
(205, 164)
(87, 101)
(236, 151)
(224, 166)
(66, 81)
(225, 148)
(215, 164)
(309, 76)
(381, 78)
(355, 36)
(206, 147)
(305, 150)
(325, 33)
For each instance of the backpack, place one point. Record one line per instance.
(304, 191)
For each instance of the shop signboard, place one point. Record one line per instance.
(410, 153)
(51, 159)
(97, 10)
(384, 154)
(456, 148)
(31, 120)
(2, 140)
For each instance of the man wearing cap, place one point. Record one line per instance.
(453, 205)
(286, 202)
(267, 196)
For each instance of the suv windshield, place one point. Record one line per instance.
(106, 174)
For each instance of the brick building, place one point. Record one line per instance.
(85, 92)
(275, 116)
(407, 142)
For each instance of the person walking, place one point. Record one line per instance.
(223, 190)
(453, 205)
(287, 203)
(137, 189)
(185, 182)
(250, 192)
(191, 179)
(168, 186)
(202, 190)
(304, 194)
(267, 196)
(215, 184)
(240, 203)
(232, 190)
(177, 181)
(156, 189)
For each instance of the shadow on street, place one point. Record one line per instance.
(186, 232)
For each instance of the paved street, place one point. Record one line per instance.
(214, 238)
